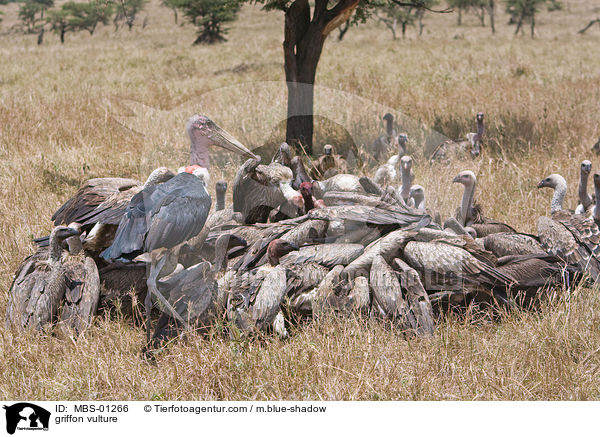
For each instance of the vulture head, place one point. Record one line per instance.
(466, 178)
(586, 167)
(278, 248)
(552, 181)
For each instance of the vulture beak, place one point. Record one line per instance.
(541, 184)
(224, 139)
(456, 179)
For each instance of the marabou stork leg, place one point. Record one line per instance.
(157, 263)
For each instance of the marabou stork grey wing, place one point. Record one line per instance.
(327, 255)
(161, 216)
(180, 214)
(89, 196)
(82, 292)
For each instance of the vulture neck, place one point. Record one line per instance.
(596, 209)
(480, 129)
(467, 203)
(389, 128)
(221, 247)
(220, 200)
(55, 250)
(401, 148)
(420, 202)
(406, 183)
(199, 149)
(309, 205)
(559, 196)
(584, 197)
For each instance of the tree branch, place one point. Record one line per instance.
(421, 5)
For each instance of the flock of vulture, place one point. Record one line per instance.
(294, 243)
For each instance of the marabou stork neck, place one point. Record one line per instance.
(166, 215)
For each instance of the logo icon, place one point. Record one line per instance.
(26, 416)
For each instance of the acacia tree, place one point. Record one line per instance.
(209, 16)
(522, 11)
(306, 28)
(391, 15)
(127, 11)
(87, 16)
(59, 22)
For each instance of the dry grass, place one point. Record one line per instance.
(62, 120)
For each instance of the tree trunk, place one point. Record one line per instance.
(403, 29)
(533, 25)
(491, 12)
(40, 39)
(459, 16)
(482, 16)
(420, 14)
(62, 35)
(302, 46)
(520, 23)
(343, 29)
(590, 24)
(175, 15)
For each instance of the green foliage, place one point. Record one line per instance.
(127, 10)
(86, 16)
(31, 13)
(59, 22)
(209, 16)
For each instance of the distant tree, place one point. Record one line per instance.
(31, 14)
(173, 5)
(59, 21)
(462, 6)
(87, 16)
(392, 14)
(127, 11)
(209, 16)
(523, 11)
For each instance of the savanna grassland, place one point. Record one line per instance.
(114, 104)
